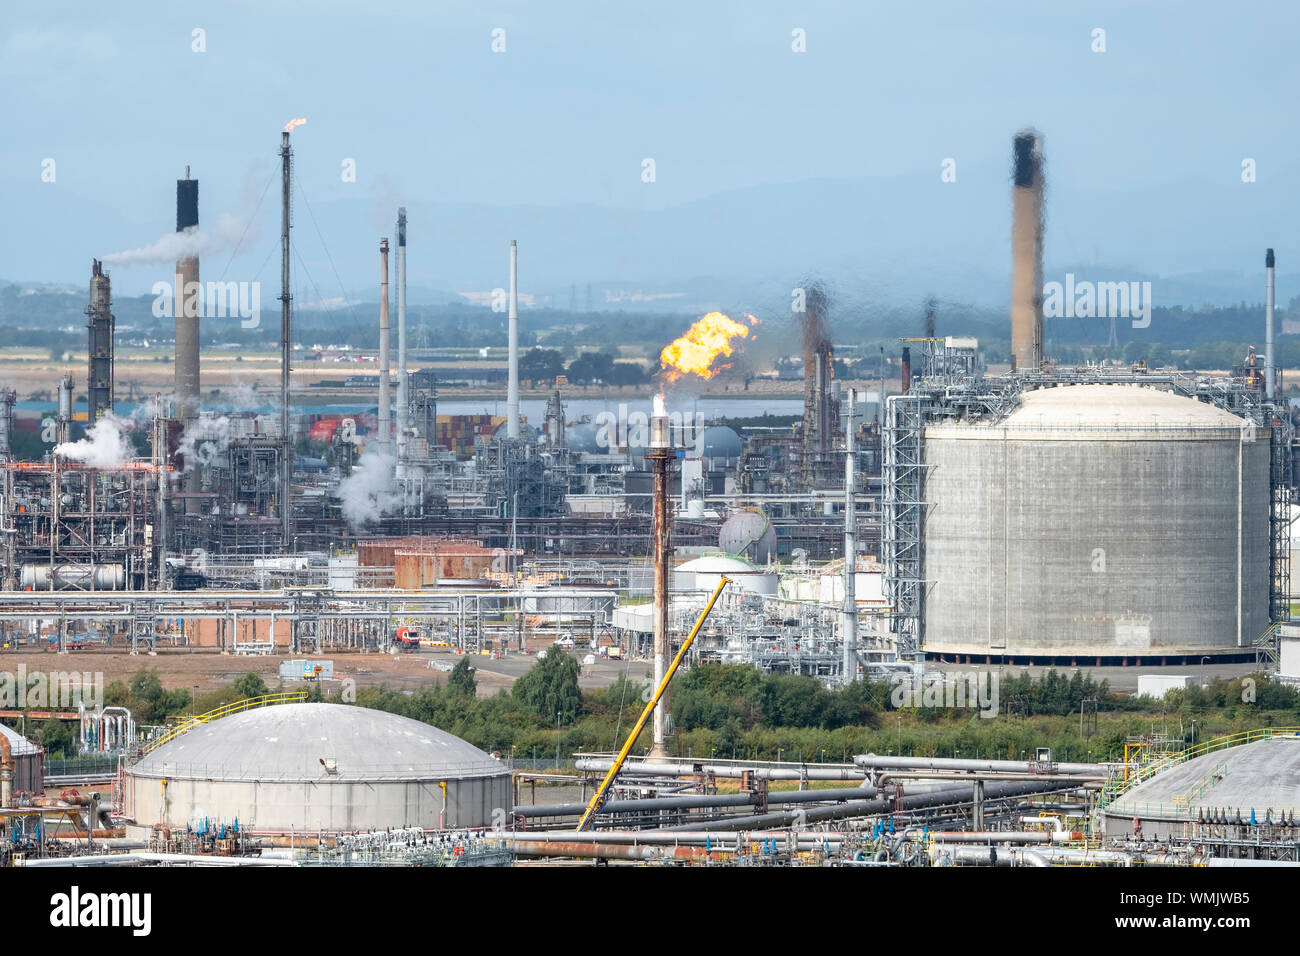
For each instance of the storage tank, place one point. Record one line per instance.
(1097, 521)
(311, 767)
(29, 763)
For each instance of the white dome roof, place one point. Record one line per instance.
(288, 742)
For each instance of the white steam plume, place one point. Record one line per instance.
(367, 493)
(105, 445)
(184, 245)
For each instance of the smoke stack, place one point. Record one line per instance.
(286, 346)
(660, 454)
(850, 665)
(403, 394)
(1027, 253)
(385, 410)
(63, 425)
(1269, 374)
(512, 387)
(99, 345)
(905, 376)
(188, 299)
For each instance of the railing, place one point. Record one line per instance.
(1198, 788)
(1115, 789)
(225, 710)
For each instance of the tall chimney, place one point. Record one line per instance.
(1027, 253)
(850, 550)
(512, 387)
(660, 455)
(286, 347)
(905, 373)
(403, 393)
(385, 408)
(1270, 375)
(99, 345)
(188, 302)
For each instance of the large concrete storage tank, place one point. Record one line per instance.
(330, 767)
(1114, 521)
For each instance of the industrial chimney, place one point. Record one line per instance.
(403, 388)
(512, 386)
(188, 304)
(99, 345)
(385, 406)
(1027, 253)
(1270, 375)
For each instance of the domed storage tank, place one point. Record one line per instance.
(1097, 520)
(1237, 787)
(330, 767)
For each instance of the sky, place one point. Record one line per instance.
(548, 138)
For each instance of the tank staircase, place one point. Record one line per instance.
(225, 710)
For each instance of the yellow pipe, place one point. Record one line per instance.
(599, 796)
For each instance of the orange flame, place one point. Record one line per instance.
(704, 342)
(290, 126)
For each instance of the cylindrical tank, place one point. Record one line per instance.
(1097, 520)
(330, 767)
(29, 763)
(72, 577)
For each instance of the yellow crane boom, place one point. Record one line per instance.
(598, 797)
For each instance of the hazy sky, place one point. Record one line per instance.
(712, 91)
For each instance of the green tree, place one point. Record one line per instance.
(462, 680)
(250, 684)
(551, 688)
(540, 365)
(592, 367)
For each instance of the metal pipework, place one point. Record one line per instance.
(512, 385)
(605, 851)
(403, 395)
(657, 768)
(1269, 374)
(385, 406)
(286, 348)
(696, 801)
(599, 796)
(948, 796)
(946, 764)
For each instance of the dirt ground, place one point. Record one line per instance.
(201, 671)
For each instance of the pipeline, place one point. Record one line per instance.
(151, 859)
(652, 804)
(876, 762)
(859, 808)
(1007, 836)
(803, 772)
(714, 840)
(605, 851)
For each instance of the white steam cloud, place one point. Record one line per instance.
(184, 245)
(105, 445)
(367, 493)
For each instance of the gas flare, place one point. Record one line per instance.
(294, 123)
(709, 339)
